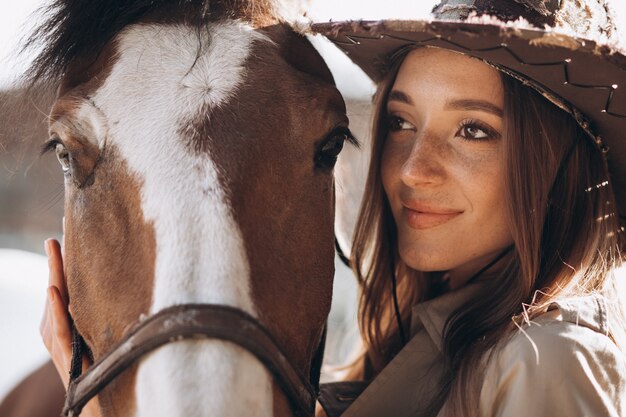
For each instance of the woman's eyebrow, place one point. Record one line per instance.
(396, 95)
(470, 104)
(464, 104)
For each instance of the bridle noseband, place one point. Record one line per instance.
(198, 321)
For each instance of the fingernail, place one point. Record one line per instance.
(51, 295)
(45, 246)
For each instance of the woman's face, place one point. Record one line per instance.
(443, 163)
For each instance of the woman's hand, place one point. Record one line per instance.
(55, 325)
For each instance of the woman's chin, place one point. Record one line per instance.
(424, 261)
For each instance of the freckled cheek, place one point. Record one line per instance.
(485, 189)
(480, 174)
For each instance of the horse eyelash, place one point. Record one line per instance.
(49, 146)
(352, 140)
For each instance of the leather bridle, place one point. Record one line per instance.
(196, 321)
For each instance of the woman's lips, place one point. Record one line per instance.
(425, 217)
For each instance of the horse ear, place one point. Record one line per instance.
(298, 52)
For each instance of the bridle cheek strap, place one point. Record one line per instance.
(193, 321)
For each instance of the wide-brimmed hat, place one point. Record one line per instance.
(566, 49)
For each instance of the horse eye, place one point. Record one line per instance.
(64, 157)
(329, 151)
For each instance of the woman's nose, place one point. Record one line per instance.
(422, 164)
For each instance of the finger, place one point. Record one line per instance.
(60, 323)
(55, 265)
(44, 326)
(60, 336)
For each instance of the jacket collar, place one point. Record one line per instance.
(589, 311)
(432, 315)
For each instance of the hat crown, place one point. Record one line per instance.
(590, 19)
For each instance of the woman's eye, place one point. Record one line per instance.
(398, 123)
(473, 131)
(64, 157)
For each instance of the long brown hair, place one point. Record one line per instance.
(557, 188)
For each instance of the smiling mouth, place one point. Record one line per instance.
(420, 220)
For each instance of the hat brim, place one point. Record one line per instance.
(584, 78)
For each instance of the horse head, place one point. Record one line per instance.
(197, 142)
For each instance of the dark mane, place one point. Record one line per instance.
(78, 28)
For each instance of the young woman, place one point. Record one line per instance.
(490, 229)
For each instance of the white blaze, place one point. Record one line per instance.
(200, 256)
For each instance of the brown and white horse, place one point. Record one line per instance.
(197, 141)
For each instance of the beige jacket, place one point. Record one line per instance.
(562, 364)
